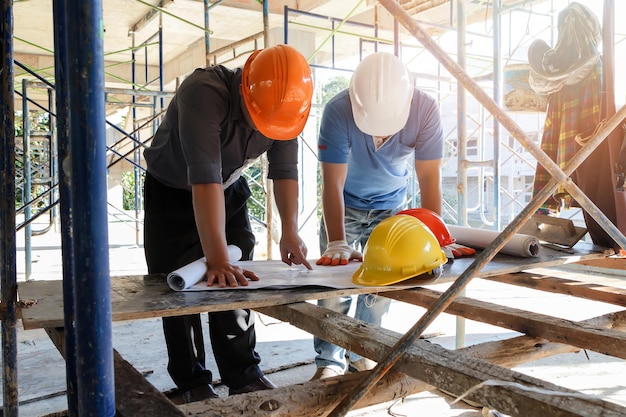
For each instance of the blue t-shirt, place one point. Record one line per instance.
(377, 180)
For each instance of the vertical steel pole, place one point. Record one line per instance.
(8, 273)
(61, 68)
(28, 184)
(497, 97)
(462, 142)
(461, 128)
(286, 24)
(207, 37)
(92, 286)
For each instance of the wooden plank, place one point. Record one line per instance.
(587, 290)
(606, 341)
(311, 399)
(617, 263)
(317, 398)
(512, 392)
(139, 297)
(134, 395)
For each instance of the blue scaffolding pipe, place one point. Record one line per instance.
(8, 273)
(109, 124)
(83, 45)
(207, 36)
(266, 24)
(63, 153)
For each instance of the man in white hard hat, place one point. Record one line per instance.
(369, 136)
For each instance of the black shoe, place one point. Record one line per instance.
(258, 384)
(199, 393)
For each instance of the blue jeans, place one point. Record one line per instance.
(370, 308)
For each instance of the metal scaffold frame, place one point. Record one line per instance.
(80, 108)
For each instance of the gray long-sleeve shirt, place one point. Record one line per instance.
(204, 137)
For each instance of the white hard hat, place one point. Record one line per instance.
(380, 92)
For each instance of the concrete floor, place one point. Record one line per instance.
(287, 352)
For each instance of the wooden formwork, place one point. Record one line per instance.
(421, 366)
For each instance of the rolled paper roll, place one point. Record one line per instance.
(190, 274)
(524, 246)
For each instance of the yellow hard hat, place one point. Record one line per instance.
(400, 247)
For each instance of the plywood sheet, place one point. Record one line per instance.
(137, 297)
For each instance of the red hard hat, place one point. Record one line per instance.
(434, 222)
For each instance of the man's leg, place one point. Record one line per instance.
(233, 336)
(330, 359)
(171, 241)
(330, 355)
(370, 308)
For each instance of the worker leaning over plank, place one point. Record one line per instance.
(369, 135)
(219, 122)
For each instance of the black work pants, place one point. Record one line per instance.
(171, 241)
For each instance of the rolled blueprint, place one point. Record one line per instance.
(190, 274)
(524, 246)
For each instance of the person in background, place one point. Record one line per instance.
(369, 136)
(218, 123)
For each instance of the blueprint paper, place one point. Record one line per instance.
(278, 275)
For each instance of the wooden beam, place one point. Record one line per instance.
(587, 290)
(616, 263)
(511, 392)
(308, 399)
(606, 341)
(313, 398)
(134, 395)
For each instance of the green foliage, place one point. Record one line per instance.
(128, 187)
(39, 121)
(256, 203)
(328, 91)
(332, 88)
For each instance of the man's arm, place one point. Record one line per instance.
(337, 252)
(292, 249)
(210, 213)
(429, 178)
(333, 207)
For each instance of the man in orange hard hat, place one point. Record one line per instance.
(219, 122)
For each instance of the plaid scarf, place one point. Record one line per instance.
(573, 110)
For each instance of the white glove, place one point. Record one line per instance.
(338, 252)
(454, 250)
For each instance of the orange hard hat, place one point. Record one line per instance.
(434, 222)
(277, 88)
